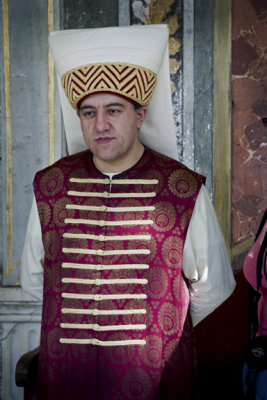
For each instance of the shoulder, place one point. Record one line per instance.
(65, 162)
(54, 179)
(174, 166)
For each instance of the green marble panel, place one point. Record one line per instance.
(203, 89)
(24, 121)
(77, 14)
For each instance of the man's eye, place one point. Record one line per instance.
(113, 111)
(87, 114)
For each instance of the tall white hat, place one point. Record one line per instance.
(132, 61)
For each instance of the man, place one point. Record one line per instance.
(126, 236)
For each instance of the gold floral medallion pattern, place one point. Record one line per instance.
(60, 211)
(44, 213)
(168, 319)
(119, 355)
(151, 353)
(157, 282)
(52, 244)
(185, 218)
(171, 251)
(182, 183)
(56, 351)
(164, 216)
(136, 384)
(51, 182)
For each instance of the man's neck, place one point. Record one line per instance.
(118, 165)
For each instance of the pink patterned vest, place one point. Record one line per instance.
(116, 321)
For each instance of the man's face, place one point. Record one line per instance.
(110, 127)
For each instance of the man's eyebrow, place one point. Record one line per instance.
(115, 105)
(88, 106)
(85, 107)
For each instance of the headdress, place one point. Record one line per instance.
(132, 61)
(131, 81)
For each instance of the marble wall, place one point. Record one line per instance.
(249, 117)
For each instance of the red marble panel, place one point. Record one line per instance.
(245, 92)
(243, 55)
(249, 117)
(244, 17)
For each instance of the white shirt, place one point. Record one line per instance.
(205, 259)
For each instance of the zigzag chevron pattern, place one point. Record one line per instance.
(134, 82)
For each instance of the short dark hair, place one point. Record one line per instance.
(137, 106)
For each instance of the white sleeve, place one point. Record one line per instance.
(32, 256)
(205, 260)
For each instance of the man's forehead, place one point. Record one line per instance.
(103, 99)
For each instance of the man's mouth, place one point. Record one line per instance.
(104, 140)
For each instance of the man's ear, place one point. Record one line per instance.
(141, 115)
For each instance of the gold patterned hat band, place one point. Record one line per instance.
(131, 81)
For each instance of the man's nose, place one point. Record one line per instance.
(101, 122)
